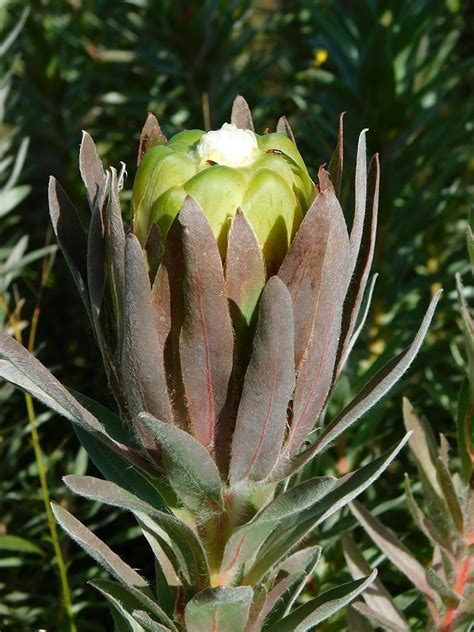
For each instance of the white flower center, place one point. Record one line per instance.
(229, 146)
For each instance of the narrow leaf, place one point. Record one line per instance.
(355, 621)
(274, 599)
(91, 168)
(376, 616)
(144, 380)
(147, 622)
(115, 248)
(371, 393)
(241, 116)
(285, 510)
(315, 271)
(321, 608)
(268, 387)
(360, 197)
(393, 549)
(98, 549)
(337, 160)
(188, 465)
(376, 596)
(435, 477)
(127, 600)
(206, 340)
(362, 266)
(179, 533)
(219, 610)
(70, 236)
(343, 491)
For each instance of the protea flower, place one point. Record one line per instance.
(224, 315)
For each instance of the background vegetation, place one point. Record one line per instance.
(402, 68)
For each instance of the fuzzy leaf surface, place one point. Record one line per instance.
(241, 115)
(376, 596)
(393, 549)
(342, 492)
(142, 363)
(179, 532)
(245, 542)
(91, 168)
(313, 612)
(370, 394)
(267, 390)
(70, 236)
(219, 610)
(189, 467)
(315, 270)
(206, 341)
(126, 602)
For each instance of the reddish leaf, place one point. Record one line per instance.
(370, 394)
(244, 271)
(362, 267)
(70, 236)
(241, 116)
(167, 297)
(268, 387)
(320, 301)
(115, 246)
(143, 372)
(302, 269)
(206, 340)
(337, 161)
(150, 136)
(283, 127)
(91, 168)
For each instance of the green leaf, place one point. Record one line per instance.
(316, 610)
(268, 386)
(147, 622)
(245, 542)
(135, 585)
(435, 477)
(219, 610)
(18, 544)
(448, 597)
(189, 467)
(11, 198)
(98, 549)
(393, 549)
(182, 536)
(276, 601)
(465, 428)
(125, 603)
(341, 493)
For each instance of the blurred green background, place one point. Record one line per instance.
(402, 68)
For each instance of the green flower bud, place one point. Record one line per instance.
(222, 170)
